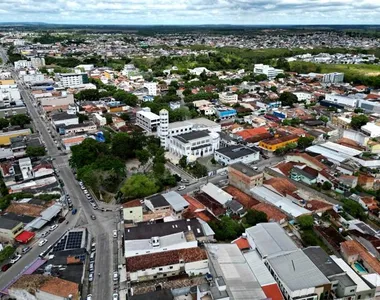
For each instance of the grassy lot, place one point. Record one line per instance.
(362, 69)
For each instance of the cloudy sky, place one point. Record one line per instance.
(192, 11)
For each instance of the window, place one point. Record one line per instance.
(171, 267)
(164, 275)
(155, 276)
(359, 296)
(352, 291)
(160, 269)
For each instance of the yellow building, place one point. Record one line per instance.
(5, 137)
(109, 74)
(9, 229)
(7, 82)
(276, 143)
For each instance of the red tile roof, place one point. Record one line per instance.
(317, 205)
(244, 199)
(242, 243)
(272, 212)
(249, 133)
(272, 291)
(311, 159)
(132, 203)
(166, 258)
(353, 248)
(282, 185)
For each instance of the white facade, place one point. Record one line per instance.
(333, 78)
(20, 64)
(65, 99)
(147, 120)
(371, 129)
(164, 127)
(99, 119)
(33, 77)
(303, 96)
(342, 100)
(9, 93)
(71, 79)
(37, 62)
(228, 97)
(194, 144)
(233, 154)
(152, 88)
(269, 71)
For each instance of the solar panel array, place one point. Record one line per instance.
(74, 240)
(60, 245)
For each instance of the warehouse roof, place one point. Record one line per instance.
(235, 151)
(323, 261)
(270, 239)
(216, 193)
(187, 137)
(6, 223)
(297, 271)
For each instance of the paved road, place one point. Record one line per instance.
(100, 229)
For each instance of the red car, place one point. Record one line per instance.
(6, 267)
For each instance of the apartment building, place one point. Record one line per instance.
(72, 79)
(147, 120)
(152, 88)
(333, 78)
(270, 72)
(228, 98)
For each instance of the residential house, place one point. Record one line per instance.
(236, 153)
(272, 145)
(9, 229)
(244, 177)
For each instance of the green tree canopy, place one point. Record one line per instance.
(35, 151)
(288, 99)
(138, 186)
(127, 98)
(20, 120)
(254, 217)
(304, 142)
(226, 229)
(87, 152)
(183, 162)
(305, 222)
(324, 119)
(358, 121)
(4, 123)
(326, 186)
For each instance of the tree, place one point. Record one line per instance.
(87, 152)
(198, 170)
(183, 162)
(4, 123)
(82, 117)
(226, 229)
(127, 98)
(143, 156)
(326, 186)
(358, 121)
(20, 120)
(288, 99)
(138, 186)
(125, 117)
(261, 77)
(87, 95)
(273, 89)
(305, 222)
(254, 217)
(108, 119)
(324, 119)
(35, 151)
(358, 110)
(354, 209)
(304, 142)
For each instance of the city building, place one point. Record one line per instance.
(147, 120)
(273, 144)
(9, 229)
(152, 88)
(333, 78)
(194, 144)
(72, 79)
(65, 119)
(270, 72)
(192, 262)
(228, 98)
(244, 177)
(163, 128)
(224, 113)
(236, 153)
(171, 201)
(5, 137)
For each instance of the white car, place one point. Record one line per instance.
(42, 242)
(91, 277)
(89, 297)
(181, 188)
(115, 296)
(115, 276)
(15, 258)
(53, 227)
(115, 233)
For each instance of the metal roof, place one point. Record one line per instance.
(297, 271)
(216, 193)
(285, 204)
(236, 151)
(176, 201)
(227, 260)
(51, 212)
(258, 268)
(323, 261)
(270, 239)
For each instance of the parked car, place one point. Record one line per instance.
(181, 188)
(25, 250)
(93, 217)
(53, 227)
(92, 267)
(45, 234)
(115, 296)
(115, 233)
(89, 297)
(74, 211)
(61, 219)
(6, 267)
(90, 277)
(42, 242)
(185, 180)
(115, 276)
(15, 258)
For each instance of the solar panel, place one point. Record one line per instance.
(74, 240)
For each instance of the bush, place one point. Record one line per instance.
(6, 253)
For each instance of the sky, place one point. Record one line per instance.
(192, 12)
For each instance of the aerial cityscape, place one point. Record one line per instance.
(215, 150)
